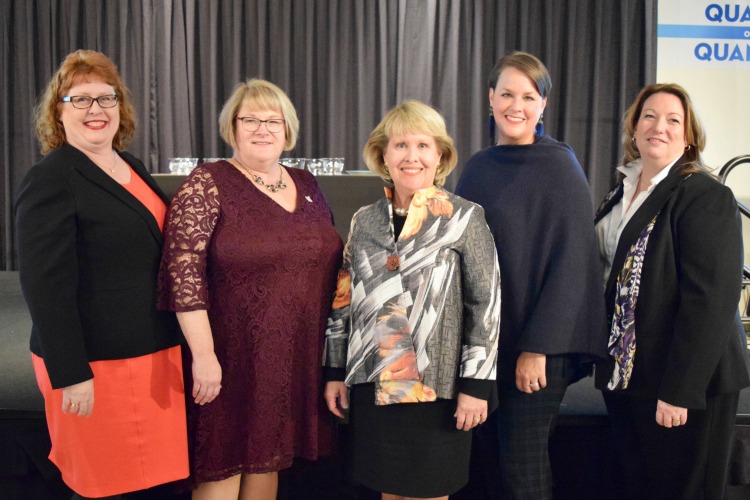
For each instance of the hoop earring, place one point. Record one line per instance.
(687, 148)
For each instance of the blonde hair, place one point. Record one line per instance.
(260, 95)
(410, 117)
(76, 68)
(694, 134)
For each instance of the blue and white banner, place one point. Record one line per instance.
(711, 34)
(705, 47)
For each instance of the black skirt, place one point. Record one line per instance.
(408, 449)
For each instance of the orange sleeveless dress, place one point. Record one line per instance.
(136, 436)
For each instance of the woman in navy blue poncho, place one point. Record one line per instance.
(538, 208)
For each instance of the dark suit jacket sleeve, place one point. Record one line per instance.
(46, 237)
(708, 242)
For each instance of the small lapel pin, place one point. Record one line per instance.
(308, 198)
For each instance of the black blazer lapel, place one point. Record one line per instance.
(140, 169)
(94, 174)
(632, 230)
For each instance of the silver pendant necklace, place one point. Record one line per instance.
(275, 187)
(114, 163)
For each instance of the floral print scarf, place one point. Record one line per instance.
(621, 344)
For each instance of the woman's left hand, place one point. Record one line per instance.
(470, 411)
(531, 372)
(78, 399)
(670, 416)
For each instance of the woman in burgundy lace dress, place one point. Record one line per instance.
(249, 265)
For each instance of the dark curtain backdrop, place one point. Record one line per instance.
(344, 63)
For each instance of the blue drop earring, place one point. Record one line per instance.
(491, 127)
(540, 126)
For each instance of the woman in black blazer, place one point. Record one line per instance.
(671, 243)
(88, 219)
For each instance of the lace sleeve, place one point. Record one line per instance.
(193, 215)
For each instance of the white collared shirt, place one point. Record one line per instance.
(609, 228)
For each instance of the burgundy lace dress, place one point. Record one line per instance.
(266, 277)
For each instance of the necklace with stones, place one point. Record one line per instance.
(275, 187)
(401, 212)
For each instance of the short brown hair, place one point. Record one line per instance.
(260, 94)
(76, 67)
(527, 64)
(694, 134)
(410, 117)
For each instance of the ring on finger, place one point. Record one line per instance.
(533, 384)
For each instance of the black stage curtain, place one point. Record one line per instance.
(344, 63)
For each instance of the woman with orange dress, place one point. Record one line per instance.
(89, 225)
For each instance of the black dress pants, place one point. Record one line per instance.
(686, 462)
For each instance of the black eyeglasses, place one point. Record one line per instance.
(85, 102)
(252, 124)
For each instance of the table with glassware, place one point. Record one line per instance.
(345, 190)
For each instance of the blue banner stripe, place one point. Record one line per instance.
(697, 31)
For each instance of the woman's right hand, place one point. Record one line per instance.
(78, 399)
(206, 368)
(336, 393)
(206, 378)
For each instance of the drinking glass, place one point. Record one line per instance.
(174, 165)
(338, 166)
(314, 166)
(188, 164)
(326, 166)
(291, 162)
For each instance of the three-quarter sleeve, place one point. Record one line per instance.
(191, 220)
